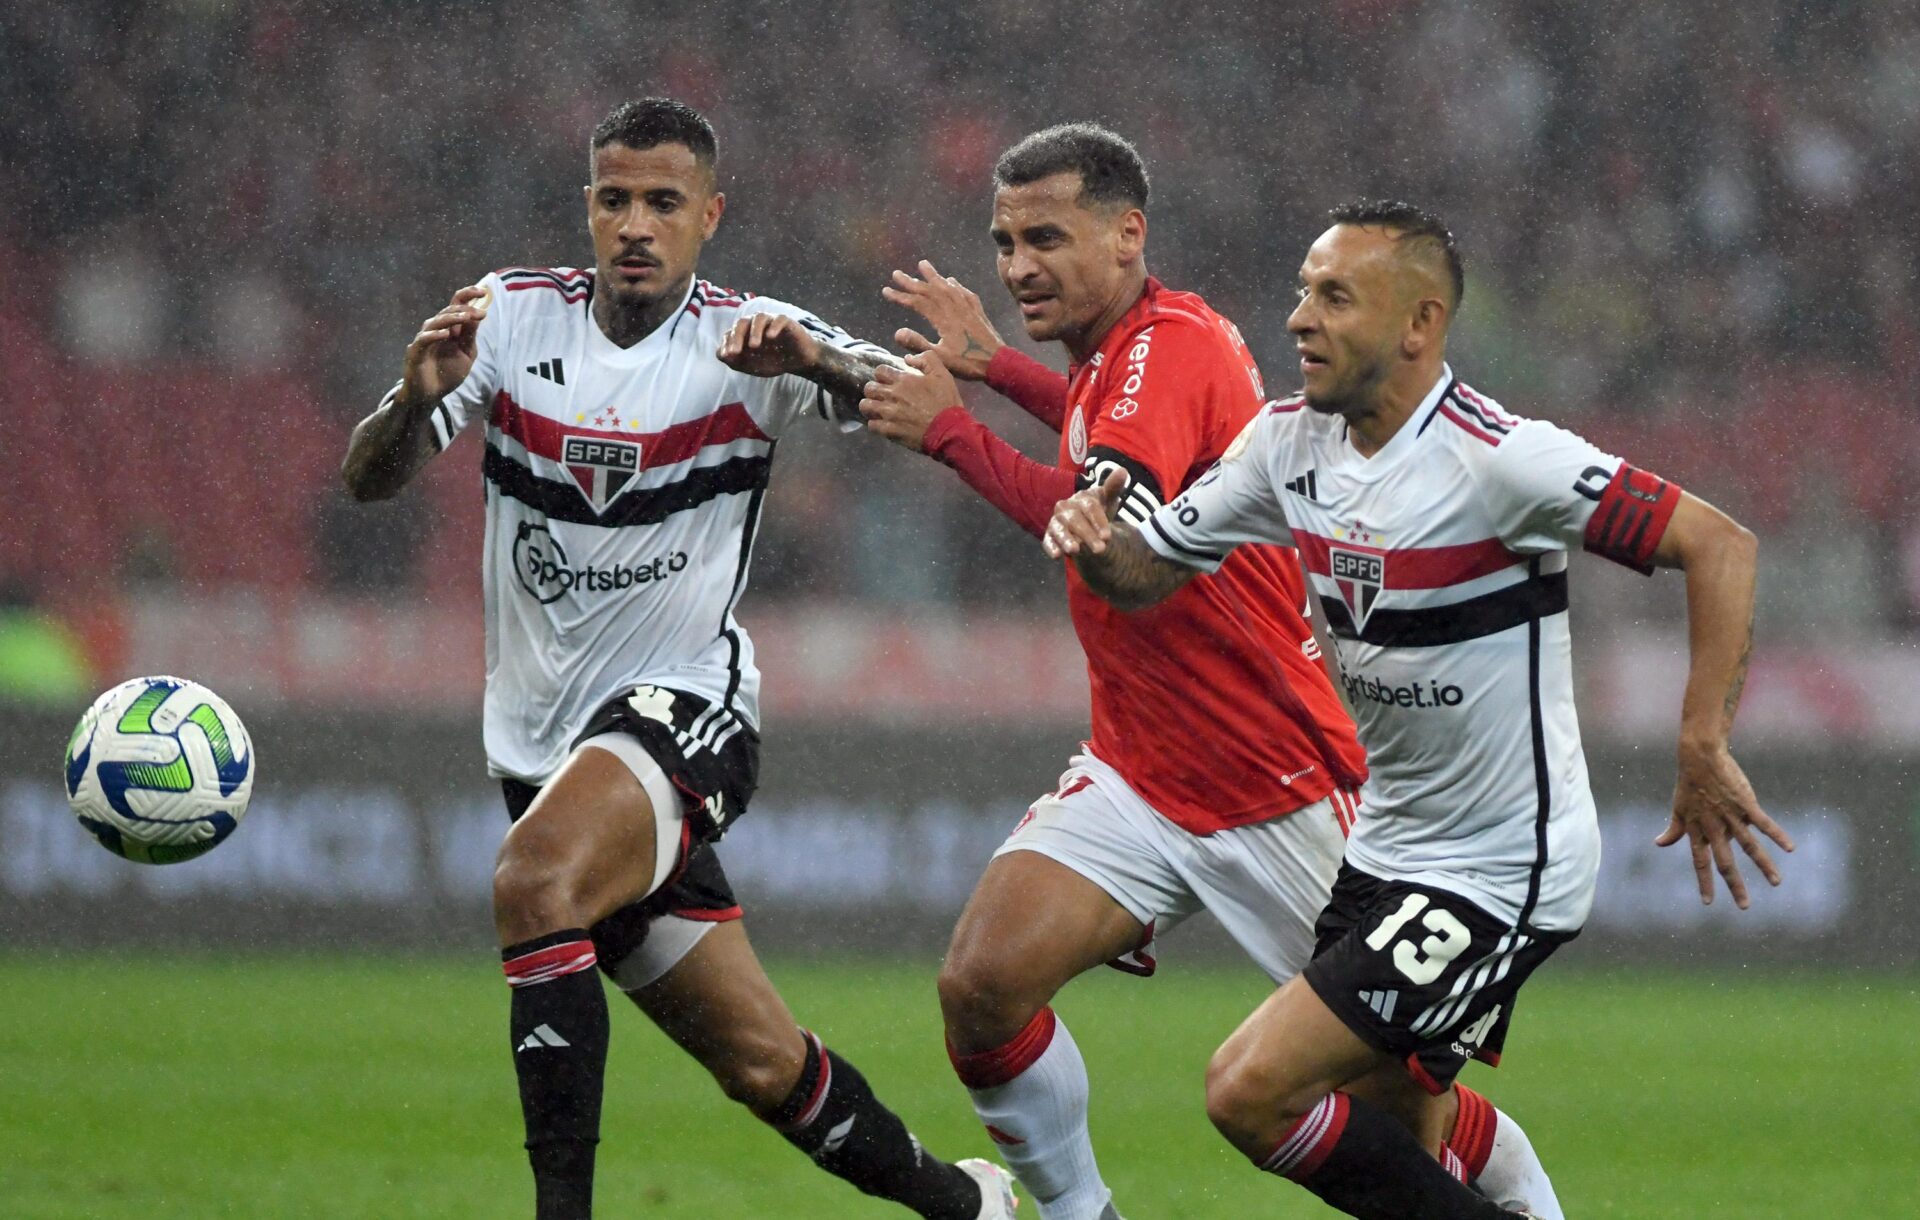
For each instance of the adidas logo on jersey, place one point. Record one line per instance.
(549, 369)
(1307, 485)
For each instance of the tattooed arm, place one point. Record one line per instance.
(1110, 554)
(772, 344)
(1713, 804)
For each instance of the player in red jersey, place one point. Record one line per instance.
(1191, 794)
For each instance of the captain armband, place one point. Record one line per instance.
(1630, 515)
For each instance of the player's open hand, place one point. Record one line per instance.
(900, 404)
(769, 344)
(1084, 520)
(441, 355)
(967, 340)
(1714, 807)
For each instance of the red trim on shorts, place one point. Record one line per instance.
(991, 1069)
(1472, 1138)
(708, 914)
(1424, 1077)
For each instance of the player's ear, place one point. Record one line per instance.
(716, 206)
(1131, 236)
(1427, 328)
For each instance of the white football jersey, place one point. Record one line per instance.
(623, 489)
(1441, 563)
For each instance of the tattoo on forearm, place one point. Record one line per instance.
(1129, 573)
(1739, 684)
(845, 374)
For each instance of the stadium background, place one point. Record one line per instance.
(1688, 236)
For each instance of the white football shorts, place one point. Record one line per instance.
(1266, 883)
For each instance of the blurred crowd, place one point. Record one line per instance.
(1689, 232)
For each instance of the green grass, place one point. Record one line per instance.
(198, 1087)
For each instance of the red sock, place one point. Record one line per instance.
(1472, 1139)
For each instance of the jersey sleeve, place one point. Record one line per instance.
(1152, 413)
(1548, 489)
(792, 397)
(1233, 503)
(473, 396)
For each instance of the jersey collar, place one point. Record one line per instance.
(1118, 333)
(1400, 443)
(608, 352)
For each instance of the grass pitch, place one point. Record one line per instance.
(184, 1088)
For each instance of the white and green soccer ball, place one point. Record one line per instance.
(159, 770)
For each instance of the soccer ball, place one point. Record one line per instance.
(159, 770)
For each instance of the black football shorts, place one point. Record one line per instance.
(1421, 974)
(714, 785)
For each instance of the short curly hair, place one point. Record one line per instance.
(1109, 167)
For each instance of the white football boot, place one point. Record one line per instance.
(997, 1200)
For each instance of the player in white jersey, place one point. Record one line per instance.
(1435, 528)
(631, 414)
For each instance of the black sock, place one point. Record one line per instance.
(1358, 1159)
(833, 1117)
(560, 1055)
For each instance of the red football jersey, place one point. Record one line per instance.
(1213, 704)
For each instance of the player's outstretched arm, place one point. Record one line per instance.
(1112, 558)
(774, 344)
(967, 342)
(1713, 804)
(392, 445)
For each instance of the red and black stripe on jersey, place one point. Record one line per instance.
(712, 296)
(562, 501)
(1538, 595)
(573, 286)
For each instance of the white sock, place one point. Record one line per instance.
(1031, 1095)
(1514, 1172)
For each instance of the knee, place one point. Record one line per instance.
(530, 889)
(983, 1005)
(1252, 1108)
(760, 1072)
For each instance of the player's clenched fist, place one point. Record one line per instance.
(1084, 520)
(769, 344)
(967, 341)
(441, 355)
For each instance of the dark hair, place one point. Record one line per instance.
(1109, 167)
(1415, 225)
(652, 121)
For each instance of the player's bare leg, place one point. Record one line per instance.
(719, 1006)
(1275, 1090)
(585, 848)
(1032, 925)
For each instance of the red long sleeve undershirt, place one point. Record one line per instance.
(1023, 489)
(1012, 482)
(1030, 385)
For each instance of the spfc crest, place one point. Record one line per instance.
(602, 469)
(1359, 573)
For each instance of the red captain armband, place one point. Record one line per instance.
(1631, 516)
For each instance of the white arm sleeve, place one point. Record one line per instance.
(791, 396)
(1235, 502)
(473, 396)
(1541, 486)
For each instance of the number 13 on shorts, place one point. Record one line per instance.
(1421, 958)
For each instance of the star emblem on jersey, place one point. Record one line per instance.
(1360, 573)
(601, 469)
